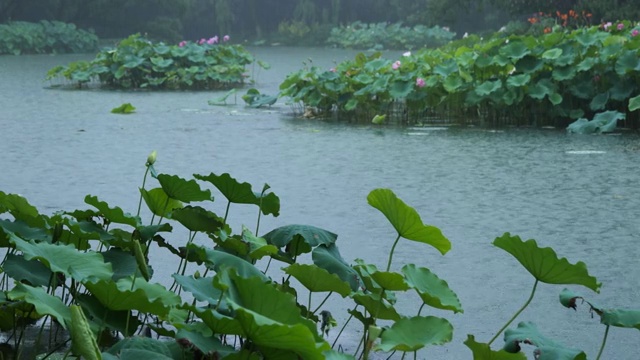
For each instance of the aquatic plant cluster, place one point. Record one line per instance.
(45, 37)
(564, 74)
(137, 62)
(381, 36)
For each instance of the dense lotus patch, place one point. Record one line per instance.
(552, 79)
(140, 63)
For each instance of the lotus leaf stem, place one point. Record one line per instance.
(604, 342)
(343, 327)
(322, 303)
(533, 291)
(144, 180)
(391, 253)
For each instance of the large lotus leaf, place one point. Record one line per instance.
(527, 333)
(563, 73)
(222, 324)
(335, 355)
(453, 83)
(433, 291)
(363, 78)
(18, 206)
(83, 266)
(606, 121)
(567, 57)
(582, 126)
(201, 288)
(25, 231)
(406, 220)
(219, 260)
(627, 61)
(587, 39)
(555, 98)
(488, 87)
(115, 214)
(206, 343)
(44, 303)
(552, 54)
(83, 340)
(32, 272)
(273, 318)
(241, 193)
(542, 88)
(400, 89)
(634, 103)
(414, 333)
(244, 354)
(292, 235)
(317, 279)
(134, 294)
(622, 89)
(544, 265)
(599, 101)
(586, 64)
(365, 272)
(328, 257)
(106, 318)
(388, 280)
(446, 68)
(518, 80)
(183, 190)
(159, 202)
(483, 351)
(376, 306)
(257, 246)
(197, 218)
(141, 348)
(515, 50)
(582, 90)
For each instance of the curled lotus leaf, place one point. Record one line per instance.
(242, 193)
(528, 333)
(483, 351)
(182, 190)
(544, 264)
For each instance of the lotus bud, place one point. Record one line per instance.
(152, 158)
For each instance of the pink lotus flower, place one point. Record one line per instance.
(607, 25)
(182, 43)
(332, 69)
(202, 41)
(620, 26)
(396, 65)
(635, 32)
(226, 38)
(420, 82)
(213, 40)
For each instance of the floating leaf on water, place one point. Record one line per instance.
(125, 108)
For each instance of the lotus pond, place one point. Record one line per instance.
(577, 194)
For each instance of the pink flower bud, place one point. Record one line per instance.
(396, 65)
(226, 38)
(420, 82)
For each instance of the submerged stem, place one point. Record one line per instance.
(533, 291)
(604, 342)
(391, 253)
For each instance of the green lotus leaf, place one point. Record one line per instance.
(182, 190)
(586, 64)
(446, 68)
(515, 50)
(376, 306)
(568, 56)
(201, 288)
(335, 355)
(621, 318)
(433, 291)
(244, 354)
(219, 260)
(599, 102)
(84, 267)
(622, 90)
(351, 105)
(20, 208)
(206, 343)
(31, 272)
(22, 229)
(258, 246)
(406, 220)
(511, 96)
(138, 348)
(374, 66)
(197, 218)
(453, 83)
(390, 280)
(115, 215)
(272, 319)
(587, 39)
(542, 88)
(414, 333)
(122, 262)
(44, 303)
(518, 80)
(488, 87)
(222, 100)
(482, 351)
(299, 239)
(82, 339)
(149, 232)
(552, 54)
(544, 265)
(526, 332)
(127, 294)
(328, 257)
(563, 73)
(107, 318)
(161, 62)
(363, 78)
(125, 108)
(222, 324)
(400, 89)
(159, 202)
(317, 279)
(242, 193)
(555, 98)
(529, 65)
(634, 103)
(627, 61)
(582, 90)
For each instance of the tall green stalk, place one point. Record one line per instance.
(604, 342)
(393, 248)
(533, 291)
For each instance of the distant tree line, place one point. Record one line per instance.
(256, 19)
